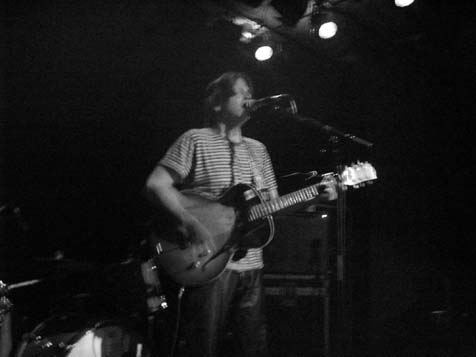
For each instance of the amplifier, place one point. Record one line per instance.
(299, 245)
(297, 297)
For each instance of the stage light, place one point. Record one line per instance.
(327, 30)
(266, 46)
(264, 53)
(403, 3)
(322, 22)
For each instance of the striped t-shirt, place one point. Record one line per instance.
(208, 162)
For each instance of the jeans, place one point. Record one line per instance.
(226, 317)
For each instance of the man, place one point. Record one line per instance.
(211, 160)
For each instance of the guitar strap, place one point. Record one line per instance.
(258, 178)
(258, 181)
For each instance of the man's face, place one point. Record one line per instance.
(233, 108)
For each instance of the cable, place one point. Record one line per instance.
(177, 322)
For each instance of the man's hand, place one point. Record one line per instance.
(191, 230)
(328, 188)
(193, 233)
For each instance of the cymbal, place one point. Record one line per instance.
(47, 268)
(66, 264)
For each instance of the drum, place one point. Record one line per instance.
(75, 336)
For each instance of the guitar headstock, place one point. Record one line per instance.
(358, 174)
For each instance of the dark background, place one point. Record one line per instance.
(94, 92)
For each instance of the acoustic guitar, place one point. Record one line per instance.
(241, 218)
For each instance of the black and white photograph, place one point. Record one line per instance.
(206, 178)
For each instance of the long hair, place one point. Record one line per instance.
(218, 91)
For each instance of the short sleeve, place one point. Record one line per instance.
(179, 157)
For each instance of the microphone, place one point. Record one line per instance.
(279, 101)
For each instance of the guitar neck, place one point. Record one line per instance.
(354, 175)
(291, 199)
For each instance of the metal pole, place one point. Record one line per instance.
(343, 292)
(325, 281)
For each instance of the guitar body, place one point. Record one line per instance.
(225, 229)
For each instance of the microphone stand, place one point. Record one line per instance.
(343, 345)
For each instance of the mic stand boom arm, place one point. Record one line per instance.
(331, 130)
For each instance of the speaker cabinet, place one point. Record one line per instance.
(299, 245)
(297, 299)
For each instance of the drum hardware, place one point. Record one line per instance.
(156, 300)
(133, 288)
(108, 324)
(6, 341)
(5, 304)
(5, 324)
(4, 288)
(5, 307)
(78, 336)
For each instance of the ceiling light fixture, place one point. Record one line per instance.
(403, 3)
(264, 53)
(320, 24)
